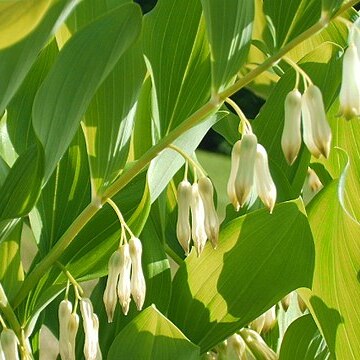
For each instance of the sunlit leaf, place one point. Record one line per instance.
(16, 61)
(19, 18)
(334, 299)
(152, 336)
(260, 258)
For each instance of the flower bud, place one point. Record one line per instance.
(301, 303)
(124, 285)
(257, 345)
(258, 323)
(91, 330)
(236, 347)
(270, 319)
(2, 355)
(285, 302)
(138, 286)
(9, 343)
(197, 219)
(206, 191)
(245, 174)
(314, 181)
(110, 298)
(320, 129)
(235, 155)
(350, 85)
(73, 326)
(291, 136)
(264, 183)
(64, 312)
(183, 230)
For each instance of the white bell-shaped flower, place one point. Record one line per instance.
(206, 191)
(285, 301)
(91, 330)
(270, 319)
(138, 286)
(245, 174)
(257, 345)
(197, 220)
(264, 183)
(124, 285)
(236, 347)
(110, 297)
(314, 181)
(350, 84)
(68, 326)
(291, 136)
(258, 323)
(183, 229)
(235, 156)
(9, 344)
(316, 129)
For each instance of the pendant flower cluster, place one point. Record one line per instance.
(316, 131)
(69, 325)
(197, 198)
(125, 278)
(250, 174)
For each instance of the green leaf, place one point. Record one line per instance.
(22, 185)
(324, 68)
(11, 271)
(260, 259)
(345, 135)
(19, 18)
(16, 61)
(335, 297)
(82, 65)
(303, 341)
(177, 56)
(109, 120)
(64, 196)
(331, 6)
(229, 28)
(290, 19)
(152, 336)
(18, 121)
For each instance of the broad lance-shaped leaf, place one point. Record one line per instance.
(18, 122)
(83, 64)
(109, 121)
(335, 297)
(152, 336)
(303, 341)
(229, 28)
(177, 56)
(16, 61)
(22, 185)
(260, 259)
(19, 18)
